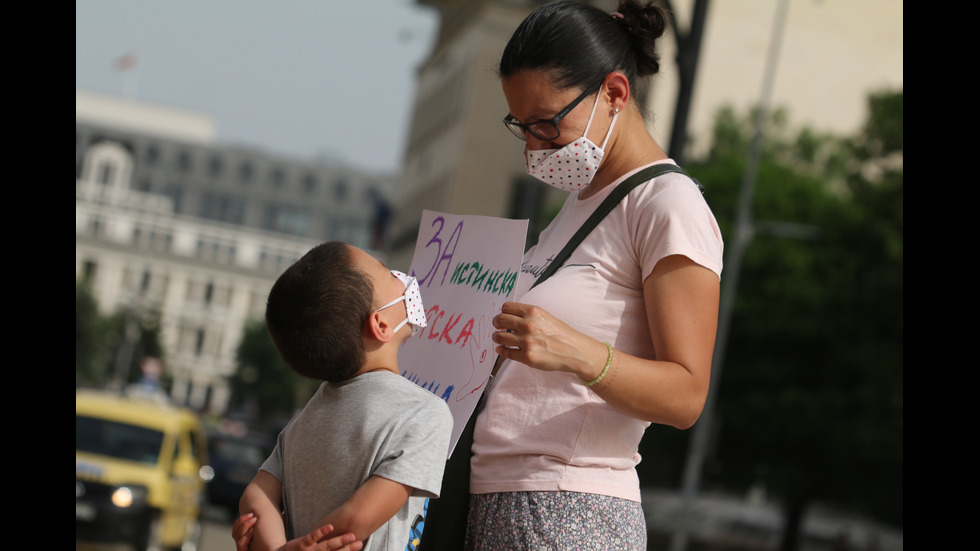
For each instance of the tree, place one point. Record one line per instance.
(111, 349)
(810, 403)
(90, 350)
(265, 389)
(132, 334)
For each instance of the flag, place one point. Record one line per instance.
(125, 62)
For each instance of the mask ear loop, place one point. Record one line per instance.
(400, 325)
(591, 115)
(611, 125)
(392, 303)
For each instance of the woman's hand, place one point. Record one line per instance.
(532, 336)
(682, 312)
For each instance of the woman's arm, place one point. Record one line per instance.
(682, 310)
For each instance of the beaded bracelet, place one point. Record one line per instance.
(604, 369)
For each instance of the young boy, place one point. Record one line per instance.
(370, 447)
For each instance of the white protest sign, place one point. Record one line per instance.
(467, 267)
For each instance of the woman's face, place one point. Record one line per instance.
(531, 97)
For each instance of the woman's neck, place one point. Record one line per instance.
(630, 147)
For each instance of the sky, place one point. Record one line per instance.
(312, 79)
(335, 79)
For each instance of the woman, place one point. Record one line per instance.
(555, 445)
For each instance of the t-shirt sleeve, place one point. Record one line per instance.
(416, 455)
(273, 463)
(673, 218)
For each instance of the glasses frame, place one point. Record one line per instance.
(518, 129)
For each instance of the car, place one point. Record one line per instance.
(236, 456)
(235, 459)
(141, 470)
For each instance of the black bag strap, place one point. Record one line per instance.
(604, 208)
(593, 220)
(446, 518)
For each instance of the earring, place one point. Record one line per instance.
(616, 110)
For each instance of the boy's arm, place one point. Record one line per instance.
(369, 507)
(316, 540)
(261, 528)
(263, 498)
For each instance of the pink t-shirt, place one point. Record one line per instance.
(544, 431)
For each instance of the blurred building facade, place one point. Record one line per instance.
(175, 230)
(459, 158)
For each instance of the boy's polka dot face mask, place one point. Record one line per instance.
(413, 303)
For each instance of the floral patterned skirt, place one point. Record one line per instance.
(554, 521)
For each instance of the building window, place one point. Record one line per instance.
(199, 342)
(184, 161)
(245, 172)
(340, 190)
(88, 270)
(207, 205)
(176, 192)
(215, 166)
(105, 173)
(152, 155)
(237, 214)
(309, 183)
(291, 220)
(296, 222)
(271, 217)
(277, 177)
(160, 241)
(110, 165)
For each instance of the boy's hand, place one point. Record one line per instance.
(315, 541)
(241, 531)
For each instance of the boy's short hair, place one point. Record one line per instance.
(316, 313)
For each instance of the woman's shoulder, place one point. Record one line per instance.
(668, 190)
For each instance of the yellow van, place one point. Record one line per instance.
(140, 471)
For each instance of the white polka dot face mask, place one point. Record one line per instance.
(413, 303)
(572, 167)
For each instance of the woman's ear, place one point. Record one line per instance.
(377, 328)
(617, 90)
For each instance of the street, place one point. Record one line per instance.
(217, 531)
(216, 535)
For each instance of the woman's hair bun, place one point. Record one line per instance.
(579, 44)
(645, 23)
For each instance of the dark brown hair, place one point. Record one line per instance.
(316, 312)
(579, 44)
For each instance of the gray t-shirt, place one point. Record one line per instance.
(378, 423)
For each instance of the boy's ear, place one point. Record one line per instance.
(377, 328)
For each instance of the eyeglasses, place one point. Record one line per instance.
(546, 130)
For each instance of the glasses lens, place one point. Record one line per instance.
(543, 130)
(515, 128)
